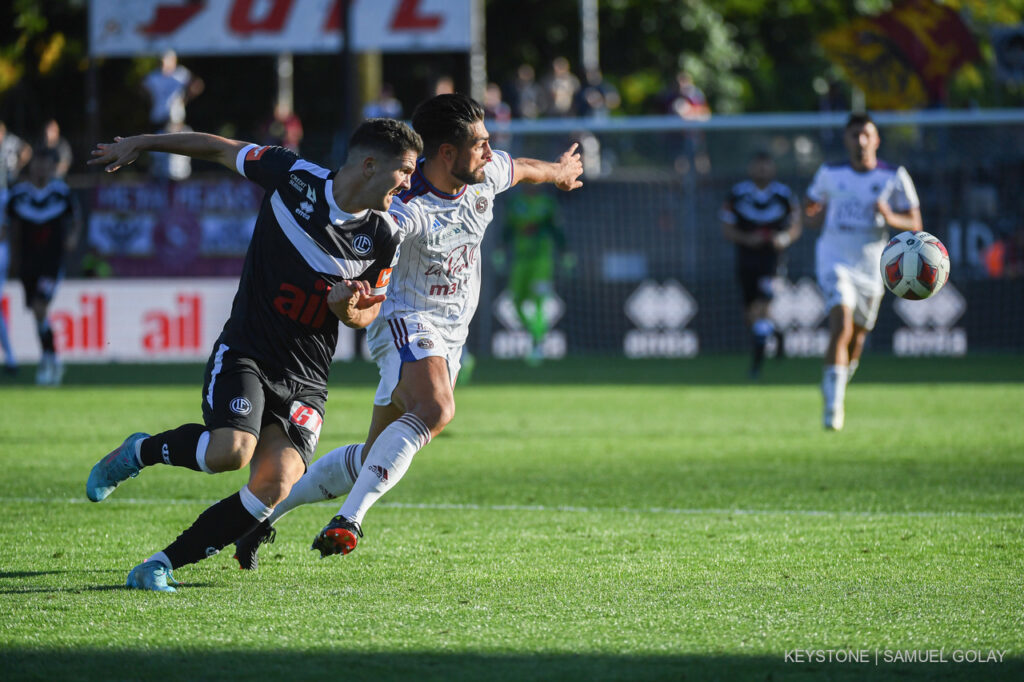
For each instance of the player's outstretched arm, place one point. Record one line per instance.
(124, 150)
(563, 173)
(354, 304)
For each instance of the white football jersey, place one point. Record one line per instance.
(438, 270)
(854, 232)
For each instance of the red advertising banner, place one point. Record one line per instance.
(122, 28)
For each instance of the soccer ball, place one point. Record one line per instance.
(914, 265)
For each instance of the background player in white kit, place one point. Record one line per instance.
(417, 339)
(855, 203)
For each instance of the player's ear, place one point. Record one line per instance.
(448, 151)
(369, 166)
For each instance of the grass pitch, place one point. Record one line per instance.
(592, 520)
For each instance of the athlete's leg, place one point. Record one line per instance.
(837, 360)
(761, 329)
(425, 398)
(276, 465)
(856, 349)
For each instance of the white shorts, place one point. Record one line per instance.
(850, 288)
(406, 338)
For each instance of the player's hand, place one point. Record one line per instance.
(353, 303)
(122, 152)
(570, 168)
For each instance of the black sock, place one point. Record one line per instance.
(218, 526)
(46, 339)
(176, 447)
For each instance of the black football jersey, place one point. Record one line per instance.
(303, 244)
(751, 209)
(40, 219)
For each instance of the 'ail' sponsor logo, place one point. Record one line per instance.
(179, 329)
(84, 329)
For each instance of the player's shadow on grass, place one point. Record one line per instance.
(337, 663)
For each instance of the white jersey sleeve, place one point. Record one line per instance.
(818, 191)
(500, 171)
(900, 193)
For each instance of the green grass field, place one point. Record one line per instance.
(591, 520)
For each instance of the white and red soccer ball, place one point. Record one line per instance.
(914, 265)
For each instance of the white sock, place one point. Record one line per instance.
(386, 463)
(833, 386)
(254, 505)
(331, 476)
(854, 364)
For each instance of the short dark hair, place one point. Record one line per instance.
(762, 155)
(386, 135)
(446, 119)
(858, 120)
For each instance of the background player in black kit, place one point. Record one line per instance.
(761, 217)
(322, 250)
(43, 218)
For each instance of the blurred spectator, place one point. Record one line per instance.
(385, 106)
(598, 98)
(284, 128)
(444, 85)
(14, 154)
(498, 111)
(525, 94)
(495, 108)
(164, 166)
(560, 89)
(169, 88)
(52, 141)
(685, 99)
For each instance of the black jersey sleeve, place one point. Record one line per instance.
(386, 252)
(266, 166)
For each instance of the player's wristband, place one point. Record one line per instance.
(784, 239)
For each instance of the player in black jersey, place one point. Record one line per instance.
(321, 251)
(44, 223)
(762, 219)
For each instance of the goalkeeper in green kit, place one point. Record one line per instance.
(533, 237)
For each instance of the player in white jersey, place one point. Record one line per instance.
(855, 204)
(417, 339)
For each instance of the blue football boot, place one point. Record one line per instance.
(119, 465)
(152, 575)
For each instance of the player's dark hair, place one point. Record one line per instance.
(762, 155)
(386, 135)
(858, 120)
(446, 119)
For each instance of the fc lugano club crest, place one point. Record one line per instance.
(481, 204)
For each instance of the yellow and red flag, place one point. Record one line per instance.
(902, 59)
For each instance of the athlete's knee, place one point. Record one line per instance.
(229, 450)
(270, 489)
(436, 412)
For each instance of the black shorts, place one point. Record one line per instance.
(756, 278)
(238, 394)
(40, 285)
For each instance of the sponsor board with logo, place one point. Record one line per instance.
(660, 313)
(153, 320)
(930, 325)
(514, 341)
(798, 310)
